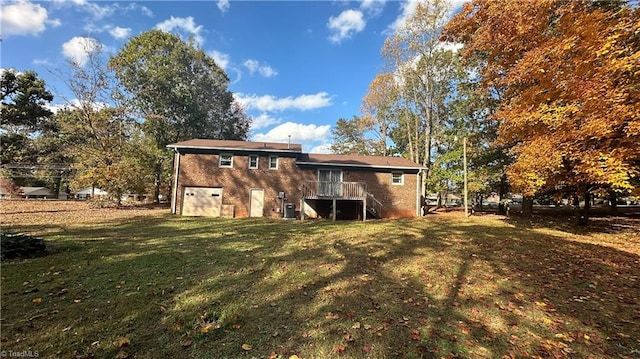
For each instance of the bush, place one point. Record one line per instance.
(18, 245)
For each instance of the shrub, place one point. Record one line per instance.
(18, 245)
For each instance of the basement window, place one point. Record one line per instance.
(226, 161)
(397, 178)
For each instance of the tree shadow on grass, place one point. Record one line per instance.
(408, 288)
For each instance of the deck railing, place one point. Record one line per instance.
(337, 190)
(374, 206)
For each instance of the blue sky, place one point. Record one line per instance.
(297, 66)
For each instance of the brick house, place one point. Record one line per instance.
(257, 179)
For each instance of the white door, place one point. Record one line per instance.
(256, 206)
(202, 201)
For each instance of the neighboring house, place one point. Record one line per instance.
(90, 192)
(256, 179)
(41, 192)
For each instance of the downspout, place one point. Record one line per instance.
(418, 195)
(174, 197)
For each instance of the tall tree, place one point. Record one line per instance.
(569, 71)
(380, 108)
(24, 114)
(97, 129)
(348, 137)
(179, 92)
(422, 67)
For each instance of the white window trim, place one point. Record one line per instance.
(220, 160)
(401, 183)
(277, 160)
(257, 162)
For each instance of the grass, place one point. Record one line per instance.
(143, 283)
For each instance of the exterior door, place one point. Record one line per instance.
(256, 206)
(202, 201)
(329, 183)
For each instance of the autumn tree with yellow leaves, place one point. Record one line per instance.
(569, 77)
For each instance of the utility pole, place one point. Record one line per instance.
(464, 164)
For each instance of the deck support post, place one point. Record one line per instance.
(364, 209)
(302, 208)
(335, 210)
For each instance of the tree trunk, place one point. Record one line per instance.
(503, 194)
(587, 207)
(613, 202)
(527, 206)
(156, 188)
(580, 215)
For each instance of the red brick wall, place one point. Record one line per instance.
(398, 200)
(202, 170)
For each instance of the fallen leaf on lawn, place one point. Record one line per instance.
(541, 304)
(37, 300)
(123, 342)
(350, 314)
(236, 326)
(333, 316)
(367, 327)
(273, 355)
(187, 343)
(348, 338)
(294, 357)
(367, 348)
(339, 349)
(205, 328)
(415, 334)
(305, 334)
(246, 347)
(356, 325)
(122, 355)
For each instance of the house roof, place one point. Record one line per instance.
(205, 144)
(357, 161)
(36, 191)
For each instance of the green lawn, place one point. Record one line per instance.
(146, 284)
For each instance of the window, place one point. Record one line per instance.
(397, 178)
(253, 161)
(226, 160)
(330, 183)
(273, 162)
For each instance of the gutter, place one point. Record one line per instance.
(418, 194)
(338, 164)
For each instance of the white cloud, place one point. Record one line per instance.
(223, 5)
(267, 71)
(185, 24)
(42, 62)
(323, 148)
(373, 7)
(220, 58)
(78, 49)
(409, 8)
(264, 70)
(264, 120)
(251, 65)
(345, 25)
(24, 18)
(299, 133)
(269, 103)
(120, 32)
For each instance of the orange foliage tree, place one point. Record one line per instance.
(569, 73)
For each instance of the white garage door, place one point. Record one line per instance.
(202, 201)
